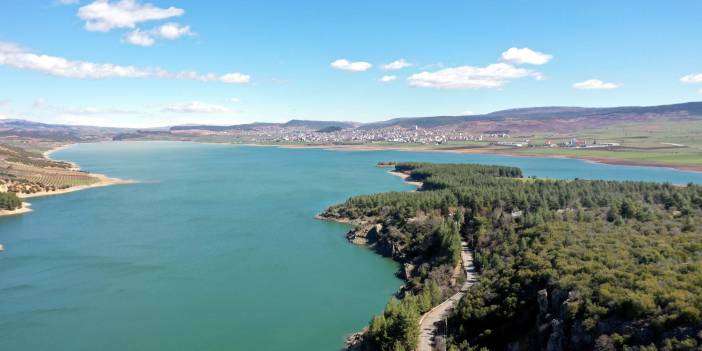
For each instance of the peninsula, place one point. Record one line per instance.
(25, 173)
(561, 265)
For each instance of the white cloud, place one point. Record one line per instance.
(397, 64)
(495, 75)
(140, 38)
(234, 78)
(13, 56)
(596, 84)
(525, 55)
(235, 100)
(67, 2)
(103, 15)
(700, 91)
(692, 78)
(467, 113)
(346, 65)
(170, 31)
(195, 107)
(386, 79)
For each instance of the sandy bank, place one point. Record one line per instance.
(101, 180)
(26, 208)
(47, 153)
(405, 177)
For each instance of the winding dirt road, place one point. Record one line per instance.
(430, 321)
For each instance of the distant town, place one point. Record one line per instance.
(395, 134)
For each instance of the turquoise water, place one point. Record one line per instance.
(215, 249)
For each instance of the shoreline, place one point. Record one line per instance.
(47, 153)
(26, 208)
(593, 159)
(405, 177)
(342, 148)
(352, 342)
(101, 181)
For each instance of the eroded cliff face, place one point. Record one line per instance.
(555, 329)
(366, 231)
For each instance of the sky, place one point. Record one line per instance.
(134, 63)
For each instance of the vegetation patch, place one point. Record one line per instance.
(564, 265)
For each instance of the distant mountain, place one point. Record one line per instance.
(60, 132)
(690, 109)
(292, 123)
(320, 124)
(548, 119)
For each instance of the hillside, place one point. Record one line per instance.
(529, 118)
(539, 119)
(563, 265)
(295, 123)
(27, 172)
(22, 129)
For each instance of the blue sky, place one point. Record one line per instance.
(273, 60)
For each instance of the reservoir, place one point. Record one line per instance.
(215, 248)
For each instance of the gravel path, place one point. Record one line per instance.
(430, 321)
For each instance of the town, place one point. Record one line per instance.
(275, 133)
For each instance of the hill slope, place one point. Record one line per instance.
(594, 116)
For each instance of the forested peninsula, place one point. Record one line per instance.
(562, 264)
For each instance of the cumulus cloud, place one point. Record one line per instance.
(596, 84)
(386, 79)
(346, 65)
(170, 31)
(397, 64)
(525, 55)
(103, 15)
(692, 78)
(13, 56)
(140, 38)
(495, 75)
(195, 107)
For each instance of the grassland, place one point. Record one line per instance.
(657, 143)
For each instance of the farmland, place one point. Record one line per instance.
(27, 172)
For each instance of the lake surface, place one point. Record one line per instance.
(215, 249)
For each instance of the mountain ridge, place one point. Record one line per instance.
(686, 109)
